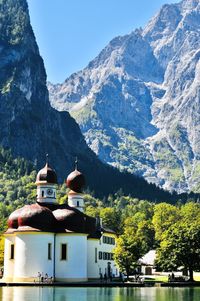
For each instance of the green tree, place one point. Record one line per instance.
(127, 253)
(164, 216)
(137, 239)
(190, 212)
(139, 226)
(89, 200)
(92, 211)
(1, 250)
(180, 247)
(111, 218)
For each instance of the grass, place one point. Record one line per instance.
(157, 278)
(197, 277)
(164, 278)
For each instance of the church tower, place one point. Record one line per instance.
(75, 181)
(46, 182)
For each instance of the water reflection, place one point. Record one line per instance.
(99, 294)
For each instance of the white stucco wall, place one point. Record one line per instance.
(76, 200)
(31, 256)
(94, 268)
(75, 267)
(8, 263)
(46, 198)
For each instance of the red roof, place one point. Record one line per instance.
(50, 218)
(47, 175)
(75, 181)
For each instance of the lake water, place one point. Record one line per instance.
(98, 294)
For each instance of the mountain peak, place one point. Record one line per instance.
(15, 21)
(30, 127)
(138, 100)
(164, 23)
(188, 5)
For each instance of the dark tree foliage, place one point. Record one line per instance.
(17, 177)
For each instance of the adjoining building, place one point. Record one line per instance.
(60, 241)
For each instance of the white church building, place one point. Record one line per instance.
(57, 240)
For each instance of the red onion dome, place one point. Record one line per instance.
(13, 219)
(38, 217)
(75, 181)
(73, 220)
(47, 175)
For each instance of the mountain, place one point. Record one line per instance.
(30, 127)
(137, 102)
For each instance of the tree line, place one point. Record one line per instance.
(172, 229)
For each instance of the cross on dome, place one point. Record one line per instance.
(75, 180)
(46, 174)
(76, 163)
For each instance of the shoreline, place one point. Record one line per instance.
(100, 284)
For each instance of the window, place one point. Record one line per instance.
(108, 240)
(77, 203)
(63, 252)
(49, 251)
(42, 193)
(95, 255)
(106, 256)
(12, 251)
(113, 241)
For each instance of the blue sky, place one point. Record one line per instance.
(70, 33)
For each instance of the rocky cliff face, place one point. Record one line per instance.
(30, 127)
(174, 36)
(137, 103)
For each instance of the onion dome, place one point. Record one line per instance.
(34, 217)
(56, 218)
(13, 219)
(37, 217)
(73, 220)
(75, 180)
(47, 175)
